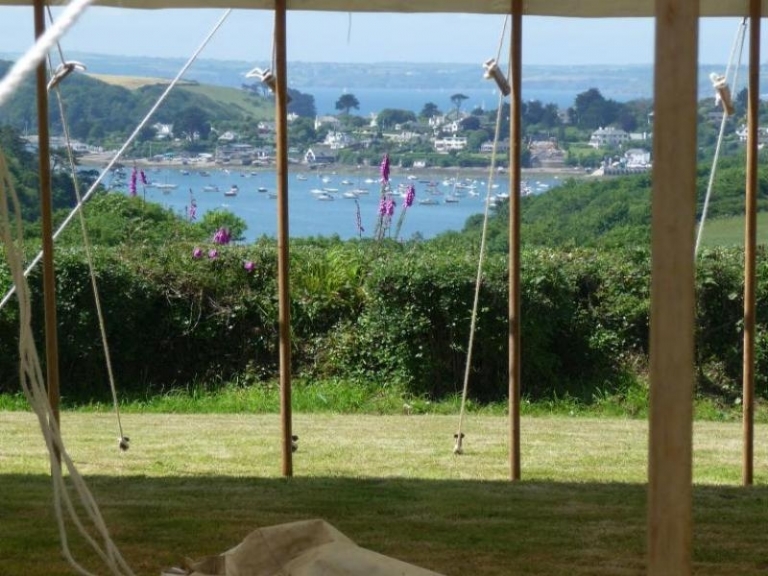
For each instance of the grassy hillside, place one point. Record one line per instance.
(131, 82)
(228, 97)
(615, 212)
(730, 231)
(259, 109)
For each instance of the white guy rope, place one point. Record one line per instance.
(737, 42)
(478, 280)
(29, 61)
(120, 152)
(122, 439)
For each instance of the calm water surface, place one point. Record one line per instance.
(313, 214)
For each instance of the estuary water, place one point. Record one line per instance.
(322, 203)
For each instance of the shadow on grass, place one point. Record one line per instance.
(452, 527)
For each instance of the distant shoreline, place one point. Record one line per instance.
(101, 160)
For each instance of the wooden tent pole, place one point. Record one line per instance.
(750, 245)
(515, 59)
(281, 113)
(46, 210)
(672, 289)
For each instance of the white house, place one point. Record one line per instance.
(338, 140)
(609, 136)
(444, 145)
(637, 157)
(319, 154)
(163, 131)
(228, 136)
(331, 121)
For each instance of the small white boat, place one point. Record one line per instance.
(347, 182)
(232, 191)
(261, 189)
(349, 194)
(324, 197)
(210, 188)
(301, 177)
(166, 186)
(330, 190)
(428, 201)
(451, 199)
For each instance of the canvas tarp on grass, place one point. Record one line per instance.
(305, 548)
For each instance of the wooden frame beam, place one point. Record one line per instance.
(515, 119)
(672, 288)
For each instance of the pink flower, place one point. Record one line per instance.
(222, 236)
(197, 253)
(132, 185)
(410, 194)
(389, 206)
(385, 168)
(249, 266)
(213, 253)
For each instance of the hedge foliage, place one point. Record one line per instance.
(386, 312)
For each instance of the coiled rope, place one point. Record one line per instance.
(33, 385)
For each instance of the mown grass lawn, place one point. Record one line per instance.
(194, 485)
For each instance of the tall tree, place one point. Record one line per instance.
(388, 117)
(346, 102)
(430, 110)
(193, 122)
(458, 100)
(302, 104)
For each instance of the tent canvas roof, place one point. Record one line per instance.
(566, 8)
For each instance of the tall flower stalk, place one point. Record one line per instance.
(386, 202)
(192, 208)
(132, 184)
(410, 195)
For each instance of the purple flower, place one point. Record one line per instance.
(389, 206)
(132, 186)
(222, 236)
(410, 194)
(249, 266)
(383, 206)
(385, 169)
(213, 253)
(197, 253)
(143, 177)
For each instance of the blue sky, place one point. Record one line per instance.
(329, 37)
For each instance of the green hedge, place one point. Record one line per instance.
(388, 313)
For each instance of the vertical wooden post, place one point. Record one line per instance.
(283, 288)
(672, 289)
(515, 59)
(750, 245)
(46, 216)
